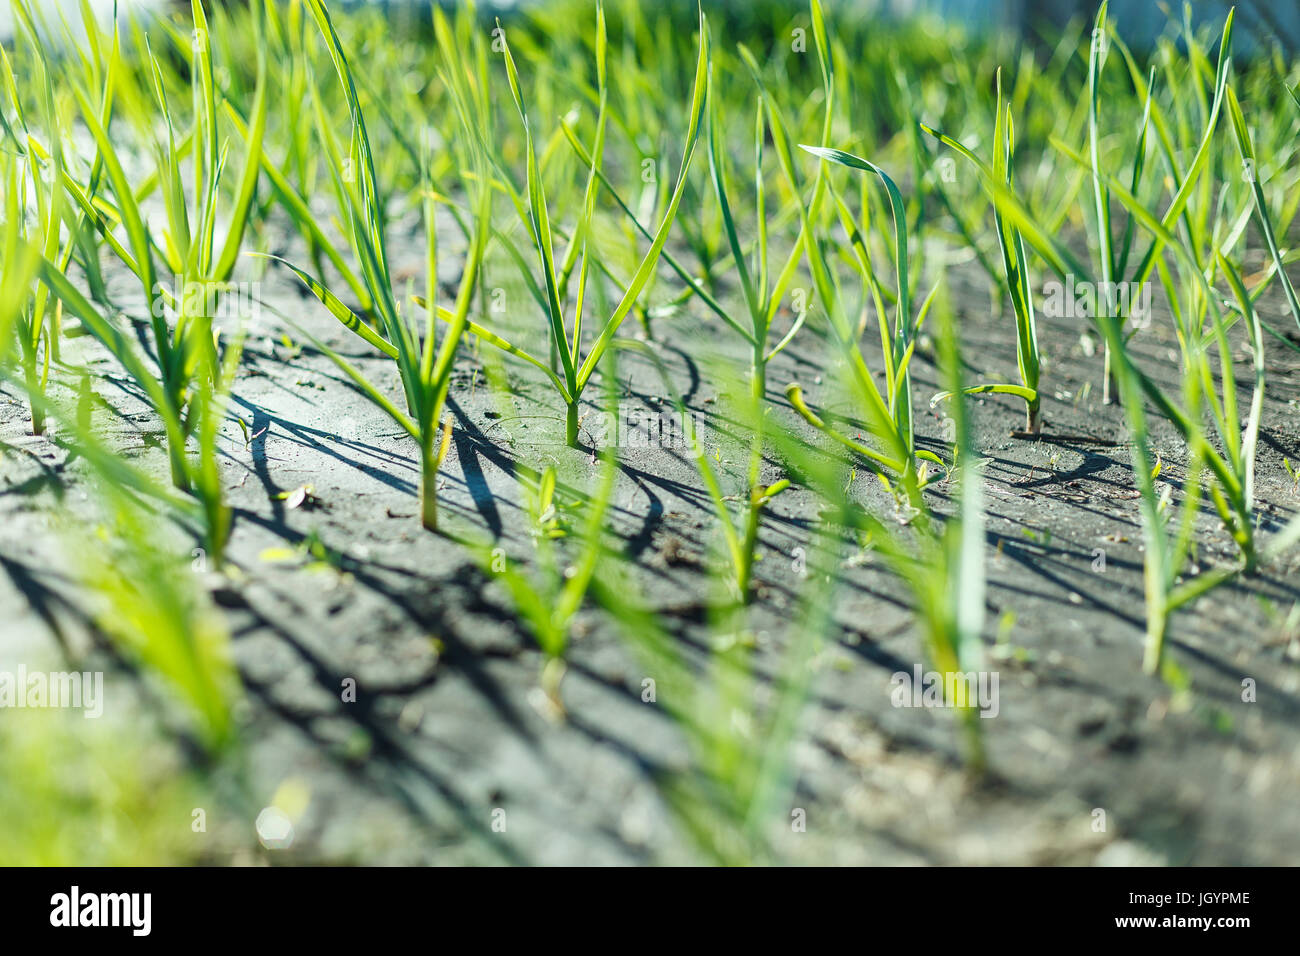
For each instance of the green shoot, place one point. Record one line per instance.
(577, 365)
(424, 364)
(1015, 273)
(888, 415)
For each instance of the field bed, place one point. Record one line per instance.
(446, 732)
(393, 700)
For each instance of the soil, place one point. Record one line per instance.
(449, 724)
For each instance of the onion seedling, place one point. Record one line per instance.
(761, 302)
(187, 352)
(888, 415)
(741, 538)
(1015, 273)
(549, 597)
(205, 406)
(423, 363)
(36, 335)
(576, 367)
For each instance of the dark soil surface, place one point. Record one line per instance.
(450, 725)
